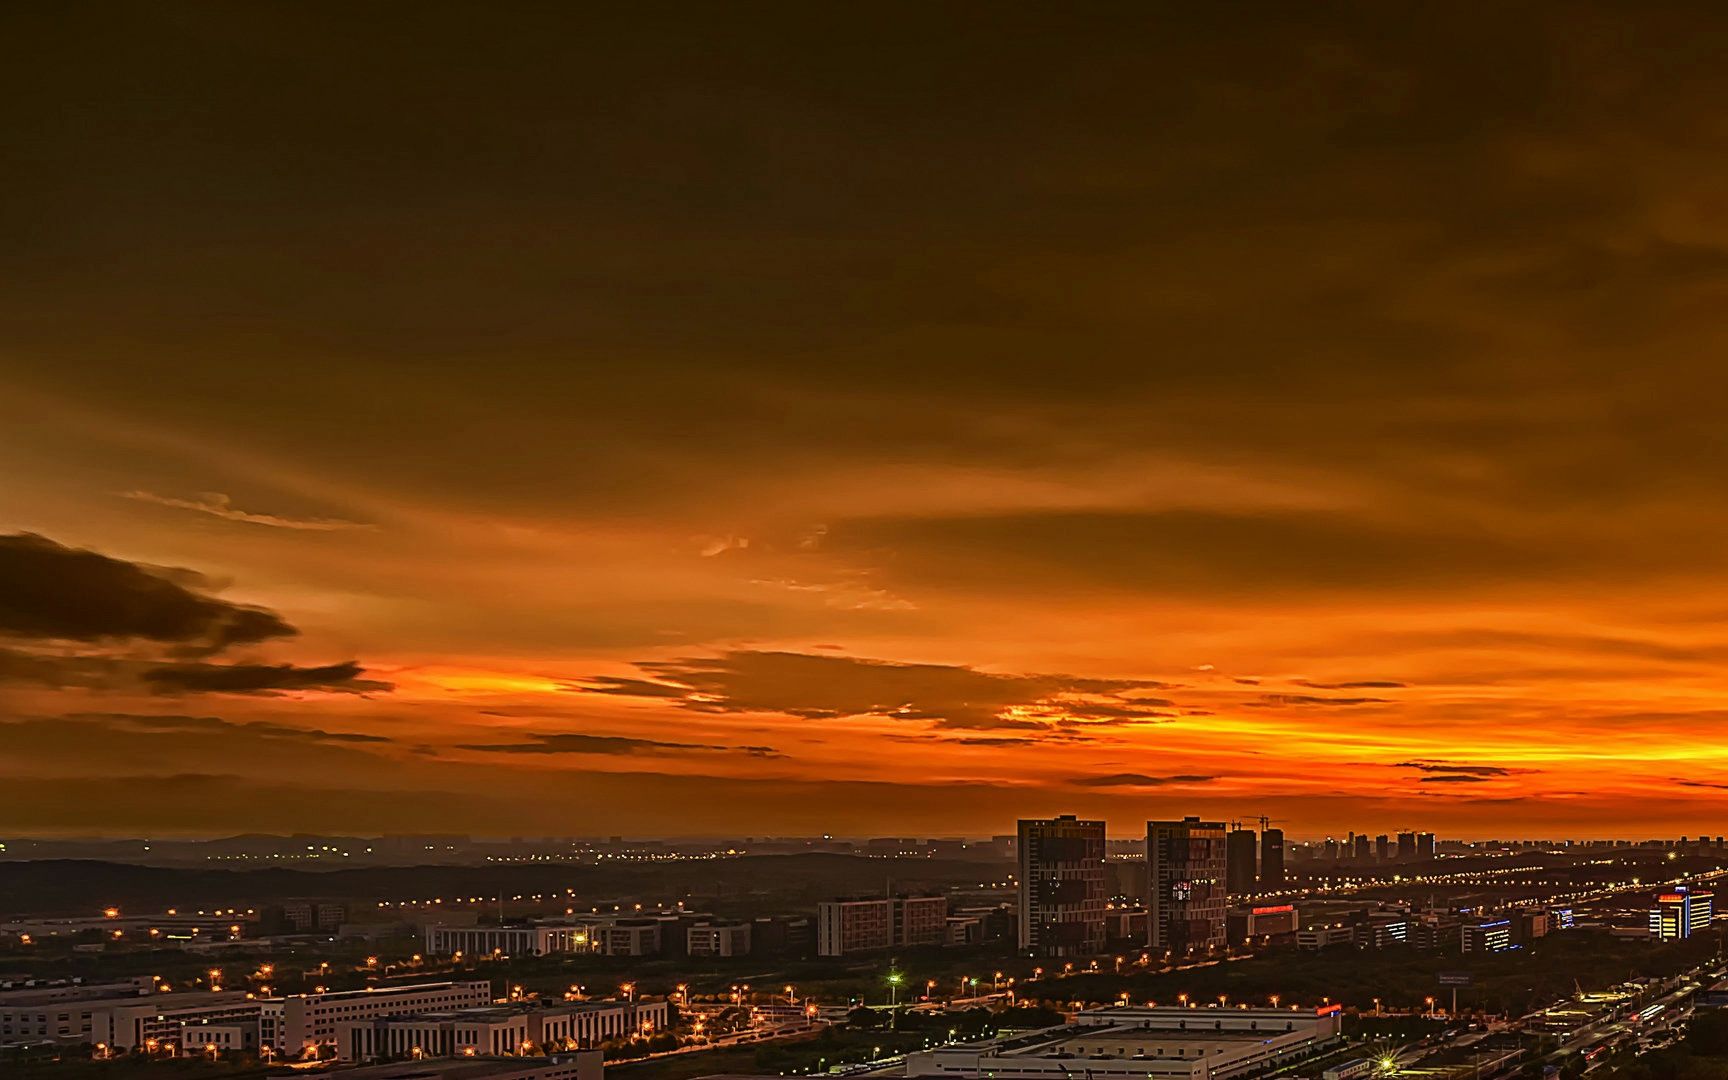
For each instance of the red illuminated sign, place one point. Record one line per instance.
(1275, 909)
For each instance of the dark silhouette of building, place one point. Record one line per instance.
(1241, 874)
(1272, 859)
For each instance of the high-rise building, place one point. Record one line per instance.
(1241, 876)
(1406, 845)
(1272, 858)
(1681, 913)
(1424, 845)
(1186, 879)
(1383, 848)
(1062, 891)
(1361, 852)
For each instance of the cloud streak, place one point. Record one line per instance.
(218, 505)
(609, 746)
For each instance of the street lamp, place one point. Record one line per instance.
(894, 980)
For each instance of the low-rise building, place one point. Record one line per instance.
(1262, 921)
(61, 1013)
(1143, 1044)
(1326, 936)
(631, 937)
(718, 939)
(516, 1028)
(1487, 936)
(532, 939)
(130, 1023)
(289, 1025)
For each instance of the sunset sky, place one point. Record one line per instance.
(868, 419)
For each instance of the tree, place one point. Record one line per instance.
(1707, 1034)
(864, 1017)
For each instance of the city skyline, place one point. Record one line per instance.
(692, 428)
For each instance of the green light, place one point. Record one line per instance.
(895, 977)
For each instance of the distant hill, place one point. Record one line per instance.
(62, 886)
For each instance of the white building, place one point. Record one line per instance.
(540, 939)
(498, 1030)
(128, 1023)
(291, 1024)
(61, 1013)
(1143, 1044)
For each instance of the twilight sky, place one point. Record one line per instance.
(786, 418)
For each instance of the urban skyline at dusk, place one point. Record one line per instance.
(898, 424)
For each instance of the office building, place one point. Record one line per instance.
(1271, 859)
(308, 916)
(1262, 921)
(782, 936)
(1185, 863)
(1241, 875)
(844, 927)
(1487, 936)
(717, 939)
(1133, 1043)
(848, 926)
(1315, 938)
(1062, 893)
(133, 1023)
(61, 1013)
(1527, 926)
(920, 920)
(1681, 913)
(293, 1023)
(538, 939)
(631, 937)
(519, 1028)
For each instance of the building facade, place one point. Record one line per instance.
(717, 939)
(1681, 913)
(1185, 866)
(293, 1023)
(498, 1030)
(871, 924)
(530, 940)
(1062, 892)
